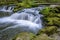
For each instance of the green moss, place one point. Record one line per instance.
(48, 30)
(24, 36)
(43, 37)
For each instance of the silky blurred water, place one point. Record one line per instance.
(26, 20)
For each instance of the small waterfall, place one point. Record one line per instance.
(26, 20)
(7, 8)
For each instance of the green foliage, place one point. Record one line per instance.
(51, 20)
(57, 23)
(26, 3)
(7, 2)
(31, 2)
(51, 16)
(46, 11)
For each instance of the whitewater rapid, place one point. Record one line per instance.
(26, 20)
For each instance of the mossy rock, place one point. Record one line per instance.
(49, 30)
(24, 36)
(56, 36)
(42, 37)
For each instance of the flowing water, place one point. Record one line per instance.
(26, 20)
(6, 8)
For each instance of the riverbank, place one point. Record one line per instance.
(51, 30)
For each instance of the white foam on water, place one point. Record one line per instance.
(6, 9)
(29, 18)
